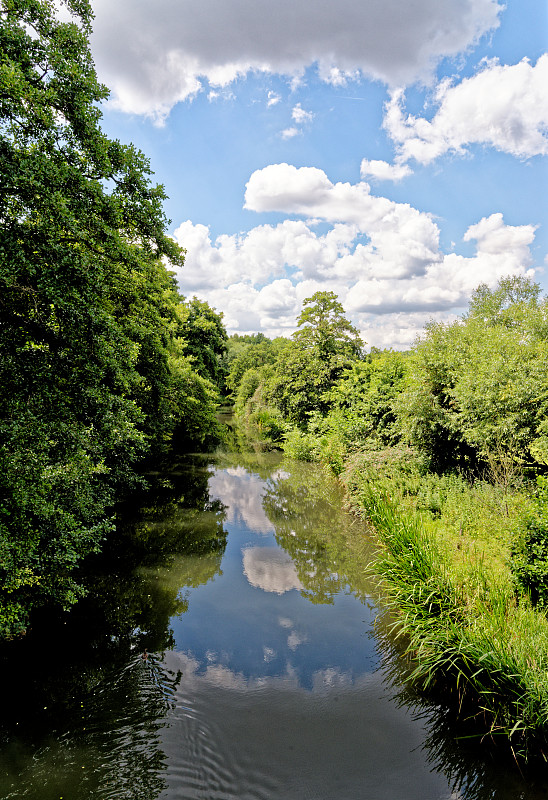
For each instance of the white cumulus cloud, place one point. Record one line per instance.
(505, 107)
(402, 240)
(383, 171)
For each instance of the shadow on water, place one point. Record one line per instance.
(85, 694)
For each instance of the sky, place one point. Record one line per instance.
(392, 151)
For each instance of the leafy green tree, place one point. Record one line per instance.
(322, 348)
(363, 399)
(514, 298)
(204, 336)
(478, 391)
(252, 355)
(91, 370)
(530, 548)
(427, 410)
(324, 330)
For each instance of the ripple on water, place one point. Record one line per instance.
(273, 739)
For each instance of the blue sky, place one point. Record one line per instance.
(394, 153)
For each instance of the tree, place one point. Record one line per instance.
(251, 355)
(88, 311)
(324, 346)
(205, 339)
(506, 304)
(478, 392)
(326, 332)
(363, 400)
(427, 409)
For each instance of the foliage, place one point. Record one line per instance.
(93, 366)
(426, 409)
(253, 410)
(360, 414)
(247, 355)
(204, 336)
(530, 552)
(363, 399)
(300, 446)
(324, 330)
(466, 638)
(478, 390)
(308, 368)
(171, 539)
(472, 395)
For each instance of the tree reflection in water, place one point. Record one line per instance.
(329, 559)
(83, 694)
(301, 503)
(86, 696)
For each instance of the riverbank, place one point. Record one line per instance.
(445, 552)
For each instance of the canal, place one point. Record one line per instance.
(231, 645)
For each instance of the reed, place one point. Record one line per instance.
(464, 630)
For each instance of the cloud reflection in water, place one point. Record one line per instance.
(270, 569)
(242, 492)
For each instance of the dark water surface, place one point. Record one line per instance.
(226, 650)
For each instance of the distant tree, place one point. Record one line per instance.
(325, 344)
(205, 339)
(253, 355)
(324, 329)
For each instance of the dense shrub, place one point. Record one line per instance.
(530, 556)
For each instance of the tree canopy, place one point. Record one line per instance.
(97, 362)
(324, 329)
(478, 391)
(323, 346)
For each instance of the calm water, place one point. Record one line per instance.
(226, 650)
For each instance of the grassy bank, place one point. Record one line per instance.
(445, 558)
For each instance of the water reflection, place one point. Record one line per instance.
(84, 696)
(270, 569)
(226, 650)
(241, 493)
(273, 738)
(329, 557)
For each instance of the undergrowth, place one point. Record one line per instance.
(445, 565)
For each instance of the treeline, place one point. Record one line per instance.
(444, 448)
(471, 395)
(102, 361)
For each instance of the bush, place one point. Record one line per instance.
(530, 553)
(300, 446)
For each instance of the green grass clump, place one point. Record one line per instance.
(467, 632)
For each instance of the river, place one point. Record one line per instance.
(227, 648)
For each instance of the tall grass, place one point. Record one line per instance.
(467, 635)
